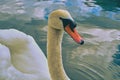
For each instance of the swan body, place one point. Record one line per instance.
(22, 59)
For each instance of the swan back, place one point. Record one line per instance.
(26, 56)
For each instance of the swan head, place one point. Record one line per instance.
(62, 20)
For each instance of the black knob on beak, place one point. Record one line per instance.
(81, 42)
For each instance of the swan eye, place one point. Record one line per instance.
(69, 22)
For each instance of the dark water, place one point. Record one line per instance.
(98, 58)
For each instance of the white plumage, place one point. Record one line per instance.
(21, 58)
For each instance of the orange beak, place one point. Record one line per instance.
(74, 34)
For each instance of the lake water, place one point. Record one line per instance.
(97, 59)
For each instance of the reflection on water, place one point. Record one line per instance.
(97, 59)
(92, 60)
(24, 9)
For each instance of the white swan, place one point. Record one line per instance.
(22, 59)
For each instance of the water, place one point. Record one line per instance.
(97, 59)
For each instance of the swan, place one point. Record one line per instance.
(22, 59)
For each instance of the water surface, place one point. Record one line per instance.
(101, 31)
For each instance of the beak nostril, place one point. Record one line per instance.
(81, 42)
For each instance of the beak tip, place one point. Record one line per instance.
(81, 42)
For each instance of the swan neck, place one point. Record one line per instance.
(54, 54)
